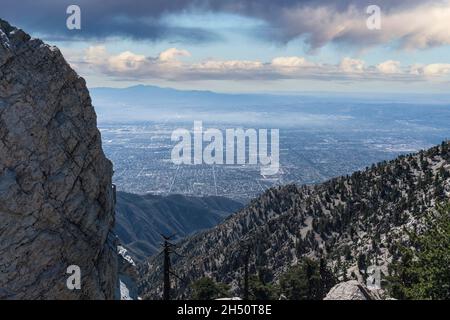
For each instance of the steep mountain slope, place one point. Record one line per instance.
(56, 200)
(142, 218)
(353, 222)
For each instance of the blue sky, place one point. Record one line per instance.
(250, 46)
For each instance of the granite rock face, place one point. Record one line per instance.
(56, 199)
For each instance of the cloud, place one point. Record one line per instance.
(97, 56)
(417, 26)
(289, 62)
(431, 70)
(389, 67)
(168, 66)
(230, 65)
(349, 65)
(411, 24)
(172, 53)
(133, 19)
(127, 61)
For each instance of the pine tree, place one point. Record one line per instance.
(208, 289)
(423, 271)
(309, 280)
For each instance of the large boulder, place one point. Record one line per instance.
(56, 197)
(351, 290)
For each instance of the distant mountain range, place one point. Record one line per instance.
(165, 105)
(150, 103)
(141, 219)
(155, 96)
(352, 222)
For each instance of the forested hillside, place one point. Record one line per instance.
(141, 219)
(350, 222)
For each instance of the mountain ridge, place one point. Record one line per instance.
(351, 221)
(141, 219)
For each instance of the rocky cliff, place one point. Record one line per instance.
(56, 200)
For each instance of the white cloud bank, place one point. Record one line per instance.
(171, 65)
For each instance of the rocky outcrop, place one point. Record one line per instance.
(353, 290)
(350, 290)
(56, 200)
